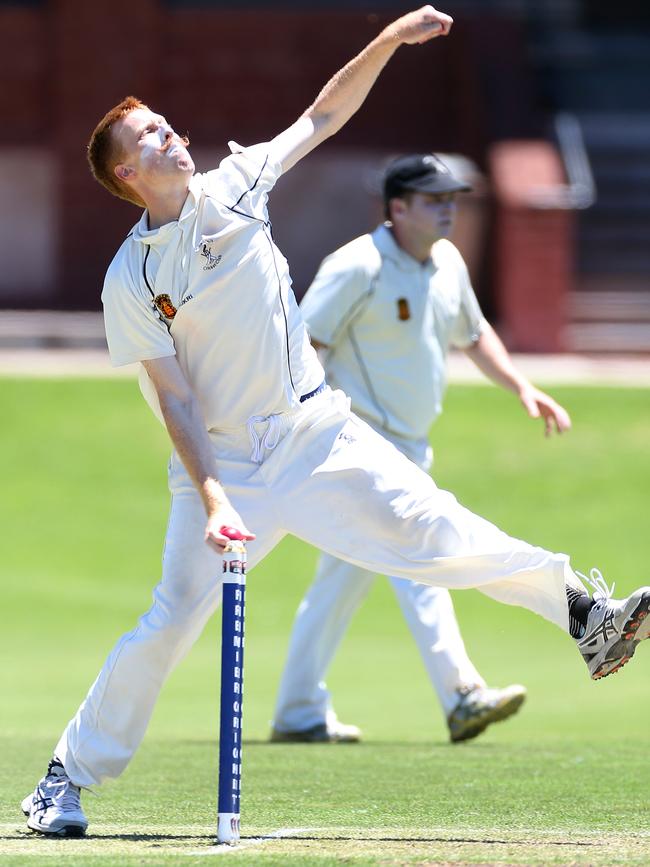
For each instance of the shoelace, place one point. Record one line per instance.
(269, 438)
(598, 584)
(68, 797)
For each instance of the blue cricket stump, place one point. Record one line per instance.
(232, 677)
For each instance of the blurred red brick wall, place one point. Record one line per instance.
(220, 75)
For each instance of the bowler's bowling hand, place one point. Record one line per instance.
(224, 517)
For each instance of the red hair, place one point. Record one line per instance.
(104, 153)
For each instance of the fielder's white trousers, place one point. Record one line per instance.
(334, 482)
(322, 618)
(324, 615)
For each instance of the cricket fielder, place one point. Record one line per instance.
(383, 310)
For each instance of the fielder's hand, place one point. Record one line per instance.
(420, 26)
(540, 405)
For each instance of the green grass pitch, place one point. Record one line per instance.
(83, 512)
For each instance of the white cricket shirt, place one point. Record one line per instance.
(214, 290)
(388, 321)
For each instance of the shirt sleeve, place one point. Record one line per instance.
(337, 294)
(245, 178)
(134, 331)
(470, 321)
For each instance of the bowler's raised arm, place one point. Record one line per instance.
(345, 92)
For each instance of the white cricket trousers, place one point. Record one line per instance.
(328, 478)
(324, 615)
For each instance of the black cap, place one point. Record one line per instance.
(421, 173)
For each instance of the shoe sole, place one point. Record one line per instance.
(635, 630)
(65, 831)
(502, 711)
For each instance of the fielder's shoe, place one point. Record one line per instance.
(334, 732)
(614, 628)
(54, 807)
(481, 706)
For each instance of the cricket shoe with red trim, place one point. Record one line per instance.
(614, 628)
(54, 807)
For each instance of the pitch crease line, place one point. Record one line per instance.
(246, 843)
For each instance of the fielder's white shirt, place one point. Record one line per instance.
(388, 321)
(230, 315)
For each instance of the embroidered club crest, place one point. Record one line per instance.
(211, 260)
(165, 306)
(403, 310)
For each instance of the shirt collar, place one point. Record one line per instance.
(142, 232)
(390, 249)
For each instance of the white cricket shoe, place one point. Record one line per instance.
(331, 732)
(54, 807)
(481, 706)
(614, 628)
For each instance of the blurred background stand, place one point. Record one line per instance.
(501, 87)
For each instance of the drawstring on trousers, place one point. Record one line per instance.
(268, 440)
(271, 436)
